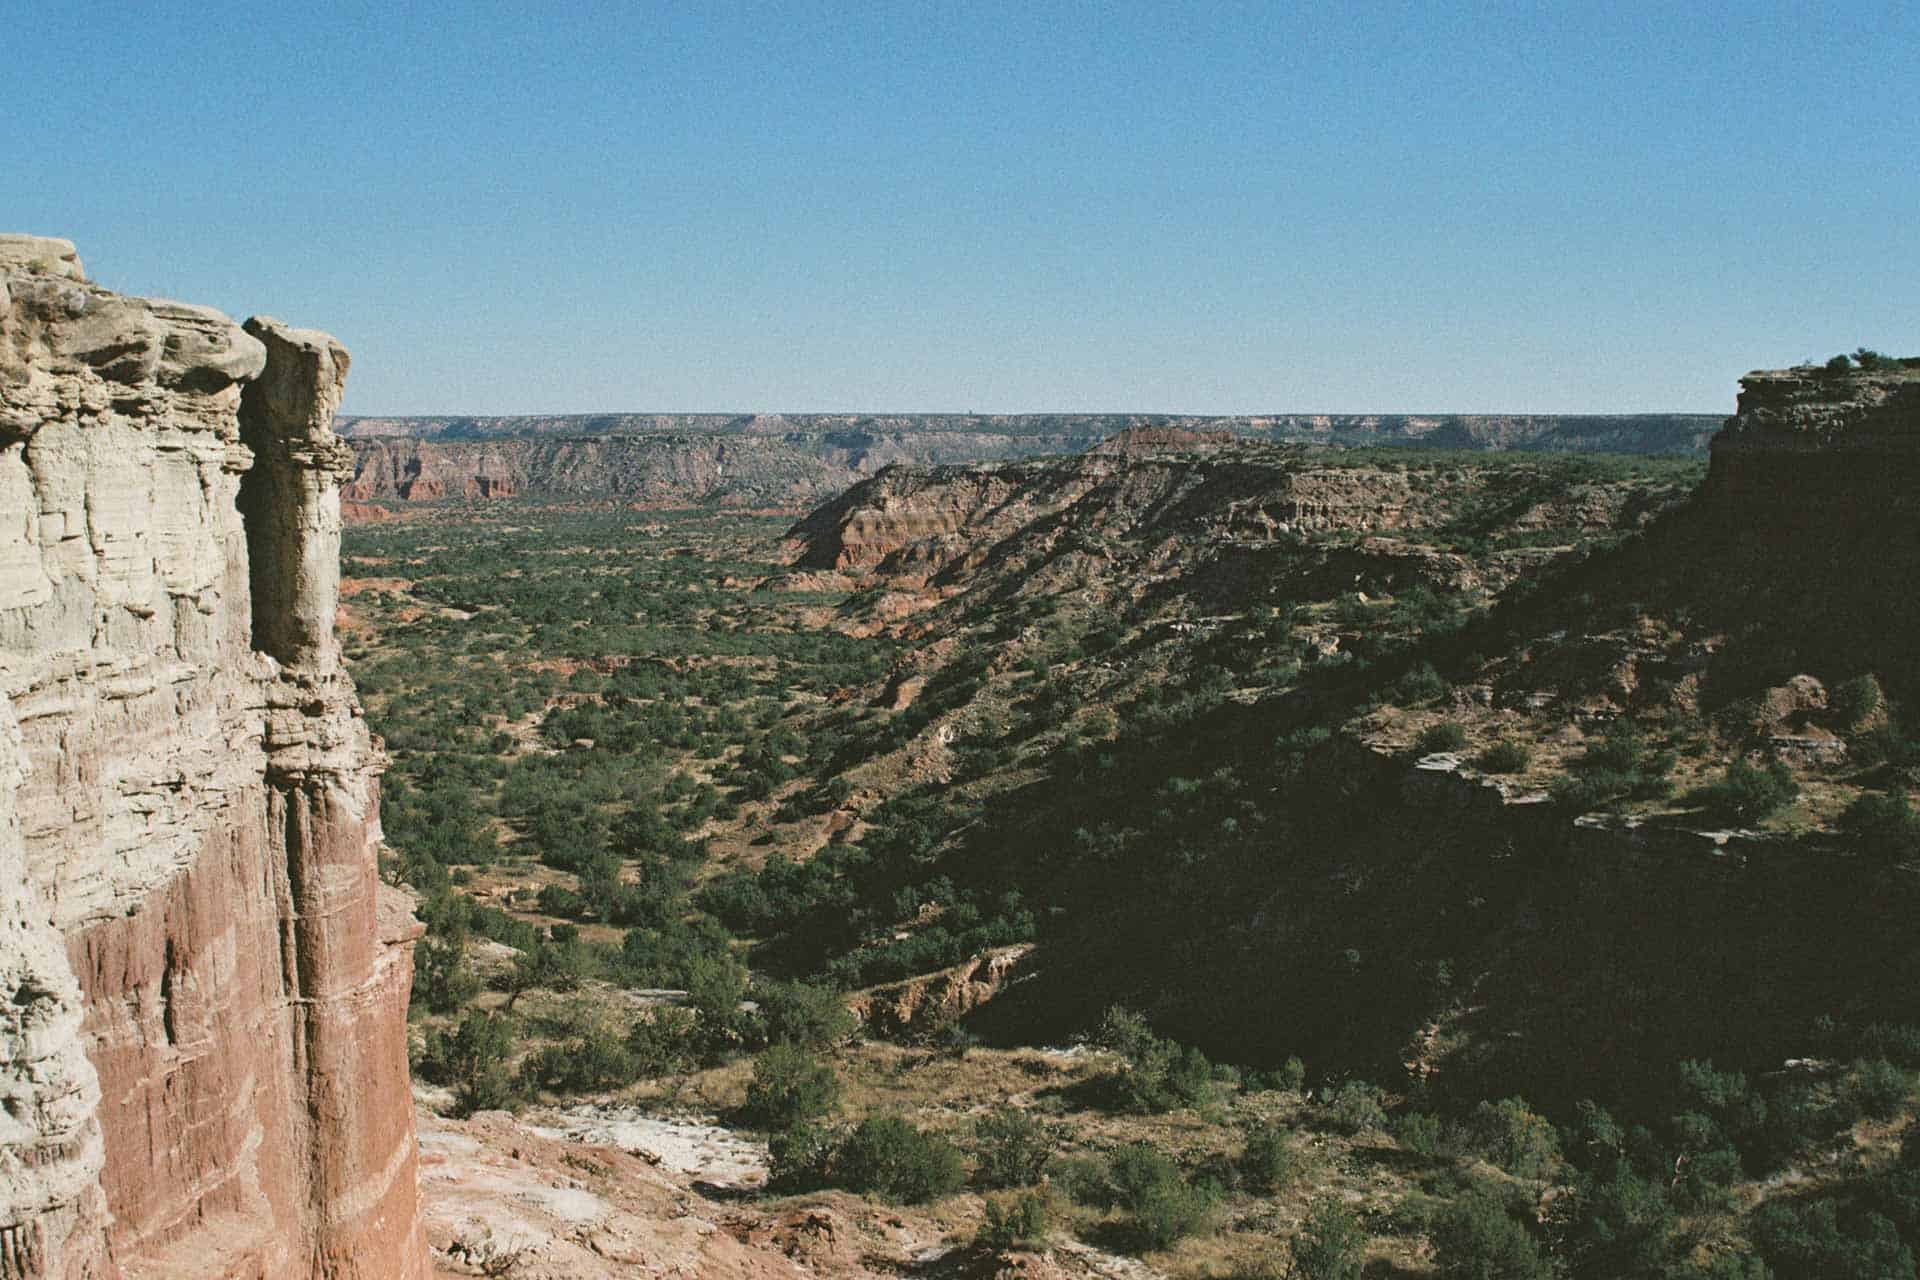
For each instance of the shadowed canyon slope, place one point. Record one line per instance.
(203, 1044)
(1709, 621)
(797, 460)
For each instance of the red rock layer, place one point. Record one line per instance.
(203, 984)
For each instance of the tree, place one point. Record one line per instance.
(1268, 1164)
(1886, 826)
(790, 1086)
(1011, 1148)
(1516, 1139)
(1015, 1219)
(801, 1013)
(716, 985)
(473, 1059)
(1162, 1204)
(442, 982)
(888, 1157)
(1747, 794)
(1329, 1245)
(1479, 1240)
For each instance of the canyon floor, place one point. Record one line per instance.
(1296, 753)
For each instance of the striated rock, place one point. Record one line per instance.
(943, 996)
(203, 1058)
(799, 460)
(1809, 448)
(1142, 441)
(1076, 432)
(787, 472)
(942, 524)
(41, 256)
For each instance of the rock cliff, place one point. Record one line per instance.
(796, 461)
(203, 1046)
(1810, 447)
(943, 524)
(1556, 432)
(786, 471)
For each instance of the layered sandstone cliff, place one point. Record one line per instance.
(203, 984)
(800, 460)
(1808, 447)
(912, 525)
(1072, 432)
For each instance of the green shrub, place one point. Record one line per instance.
(1506, 756)
(1510, 1135)
(442, 980)
(814, 1017)
(1162, 1206)
(595, 1059)
(790, 1086)
(1724, 1266)
(1269, 1163)
(1886, 826)
(1852, 701)
(1160, 1075)
(1421, 684)
(1422, 1134)
(1746, 794)
(1616, 766)
(1878, 1088)
(1477, 1239)
(1356, 1105)
(800, 1158)
(663, 1041)
(1082, 1179)
(1023, 1218)
(1011, 1148)
(473, 1059)
(888, 1157)
(716, 986)
(557, 962)
(1292, 1075)
(558, 900)
(1622, 1224)
(1896, 1042)
(1810, 1241)
(1445, 736)
(1329, 1245)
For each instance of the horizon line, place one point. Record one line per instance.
(1063, 413)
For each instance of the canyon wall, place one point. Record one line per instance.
(1557, 432)
(203, 1039)
(914, 525)
(1809, 447)
(787, 472)
(797, 461)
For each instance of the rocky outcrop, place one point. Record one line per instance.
(203, 1050)
(924, 1004)
(1151, 440)
(787, 472)
(1809, 447)
(916, 526)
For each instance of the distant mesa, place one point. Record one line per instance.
(797, 461)
(1149, 440)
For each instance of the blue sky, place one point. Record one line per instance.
(1021, 207)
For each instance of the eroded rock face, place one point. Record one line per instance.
(203, 1044)
(794, 461)
(1807, 448)
(918, 525)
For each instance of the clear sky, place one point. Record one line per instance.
(515, 208)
